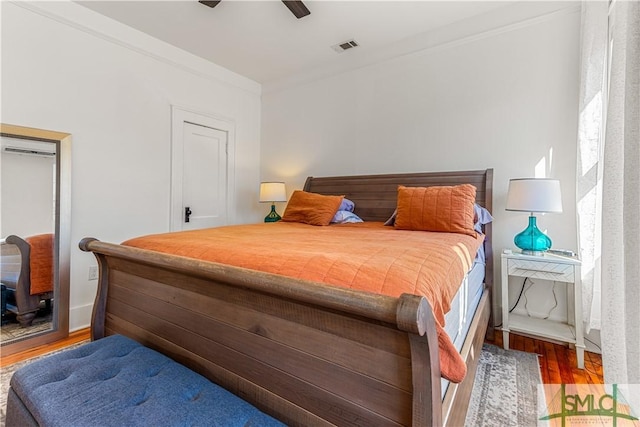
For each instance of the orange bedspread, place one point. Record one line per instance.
(366, 256)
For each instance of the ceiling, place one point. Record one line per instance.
(263, 41)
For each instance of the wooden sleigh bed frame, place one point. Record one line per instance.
(306, 353)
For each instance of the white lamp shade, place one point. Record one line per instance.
(272, 192)
(534, 195)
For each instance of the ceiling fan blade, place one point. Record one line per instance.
(211, 4)
(297, 8)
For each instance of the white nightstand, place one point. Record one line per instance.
(548, 267)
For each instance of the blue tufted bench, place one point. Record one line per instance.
(115, 381)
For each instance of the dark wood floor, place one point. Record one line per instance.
(557, 362)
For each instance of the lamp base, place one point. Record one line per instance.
(273, 215)
(531, 240)
(533, 253)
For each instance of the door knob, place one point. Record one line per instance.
(187, 214)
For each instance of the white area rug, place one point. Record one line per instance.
(505, 389)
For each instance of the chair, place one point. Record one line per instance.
(27, 271)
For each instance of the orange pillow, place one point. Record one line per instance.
(439, 208)
(311, 208)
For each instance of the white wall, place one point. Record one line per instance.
(68, 69)
(505, 99)
(27, 197)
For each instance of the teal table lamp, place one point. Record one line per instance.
(533, 195)
(271, 192)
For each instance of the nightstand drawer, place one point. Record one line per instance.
(541, 270)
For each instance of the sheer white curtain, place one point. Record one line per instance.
(593, 62)
(621, 200)
(608, 182)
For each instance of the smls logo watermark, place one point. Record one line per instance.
(589, 405)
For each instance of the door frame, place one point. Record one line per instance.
(179, 115)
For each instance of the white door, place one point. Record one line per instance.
(199, 194)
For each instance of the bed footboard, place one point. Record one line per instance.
(306, 353)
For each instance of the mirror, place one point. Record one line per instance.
(35, 168)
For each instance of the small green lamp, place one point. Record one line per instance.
(534, 195)
(271, 192)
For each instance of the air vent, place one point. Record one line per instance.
(341, 47)
(30, 152)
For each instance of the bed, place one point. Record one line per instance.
(305, 352)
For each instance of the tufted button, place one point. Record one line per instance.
(142, 402)
(155, 373)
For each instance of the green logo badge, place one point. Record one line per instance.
(580, 404)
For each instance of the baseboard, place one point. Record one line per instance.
(80, 317)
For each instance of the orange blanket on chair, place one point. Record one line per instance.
(366, 256)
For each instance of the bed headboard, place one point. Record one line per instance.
(376, 196)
